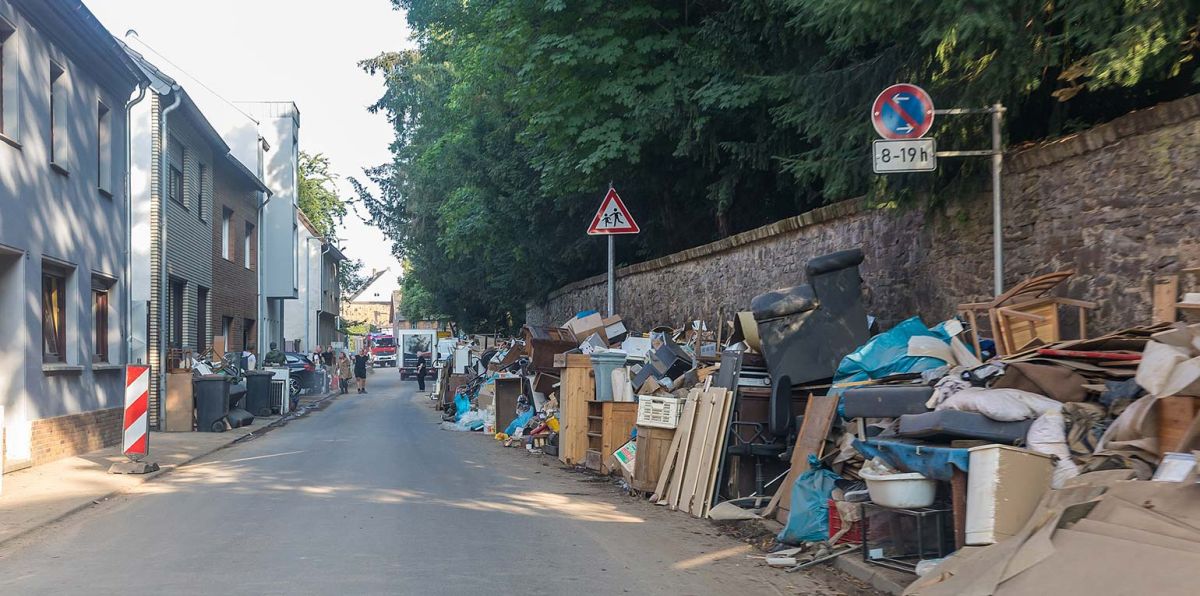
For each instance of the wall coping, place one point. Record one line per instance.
(1138, 122)
(809, 218)
(1040, 155)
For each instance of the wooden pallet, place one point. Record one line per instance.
(689, 473)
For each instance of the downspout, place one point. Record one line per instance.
(163, 289)
(127, 317)
(262, 297)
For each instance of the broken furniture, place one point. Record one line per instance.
(608, 428)
(885, 401)
(946, 425)
(806, 330)
(901, 538)
(1025, 315)
(1003, 489)
(179, 404)
(575, 391)
(653, 446)
(507, 390)
(542, 344)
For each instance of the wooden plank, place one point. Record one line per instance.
(1166, 293)
(673, 452)
(958, 500)
(1175, 415)
(652, 449)
(818, 417)
(701, 441)
(685, 429)
(711, 436)
(710, 487)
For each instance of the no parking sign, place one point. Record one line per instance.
(902, 111)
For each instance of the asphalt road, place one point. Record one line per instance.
(370, 496)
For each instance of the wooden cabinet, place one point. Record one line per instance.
(652, 447)
(609, 425)
(576, 389)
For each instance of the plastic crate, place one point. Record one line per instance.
(853, 536)
(659, 412)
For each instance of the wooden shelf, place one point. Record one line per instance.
(1187, 305)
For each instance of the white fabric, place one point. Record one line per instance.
(1048, 435)
(1005, 405)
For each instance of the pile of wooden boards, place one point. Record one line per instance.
(689, 475)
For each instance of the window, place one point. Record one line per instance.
(201, 320)
(103, 149)
(54, 323)
(226, 238)
(8, 80)
(100, 316)
(248, 246)
(248, 339)
(202, 171)
(176, 155)
(58, 118)
(175, 310)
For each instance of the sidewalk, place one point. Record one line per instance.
(37, 496)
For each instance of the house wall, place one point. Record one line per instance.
(48, 216)
(300, 315)
(236, 294)
(1119, 204)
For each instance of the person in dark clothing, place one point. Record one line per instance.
(422, 368)
(360, 369)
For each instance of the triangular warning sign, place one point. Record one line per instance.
(613, 217)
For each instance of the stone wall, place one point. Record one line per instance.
(1118, 204)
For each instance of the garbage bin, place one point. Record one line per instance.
(604, 363)
(258, 392)
(212, 402)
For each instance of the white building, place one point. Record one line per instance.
(312, 319)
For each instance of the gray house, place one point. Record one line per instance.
(174, 151)
(64, 285)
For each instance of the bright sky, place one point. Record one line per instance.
(276, 50)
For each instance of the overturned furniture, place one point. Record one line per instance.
(1025, 315)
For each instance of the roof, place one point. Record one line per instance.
(366, 286)
(164, 85)
(335, 251)
(78, 32)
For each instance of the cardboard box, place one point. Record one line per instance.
(626, 456)
(583, 327)
(614, 328)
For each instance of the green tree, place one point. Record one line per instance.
(711, 118)
(318, 198)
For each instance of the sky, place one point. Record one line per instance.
(276, 50)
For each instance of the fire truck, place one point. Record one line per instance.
(383, 349)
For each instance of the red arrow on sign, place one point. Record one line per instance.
(613, 217)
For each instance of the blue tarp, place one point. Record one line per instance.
(808, 518)
(887, 354)
(937, 463)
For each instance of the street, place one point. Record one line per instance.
(369, 496)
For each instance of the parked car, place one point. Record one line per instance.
(302, 373)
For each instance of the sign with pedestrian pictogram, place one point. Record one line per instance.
(613, 217)
(902, 112)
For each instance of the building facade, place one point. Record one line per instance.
(312, 319)
(64, 285)
(174, 150)
(374, 305)
(235, 257)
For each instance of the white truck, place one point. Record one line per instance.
(413, 344)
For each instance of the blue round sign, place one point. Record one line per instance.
(902, 111)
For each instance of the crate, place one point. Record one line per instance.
(659, 412)
(853, 536)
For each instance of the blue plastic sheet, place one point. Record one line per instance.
(887, 354)
(808, 518)
(937, 463)
(462, 405)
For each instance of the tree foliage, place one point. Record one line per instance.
(512, 117)
(319, 202)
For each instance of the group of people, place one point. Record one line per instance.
(342, 366)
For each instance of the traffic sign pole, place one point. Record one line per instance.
(611, 219)
(612, 275)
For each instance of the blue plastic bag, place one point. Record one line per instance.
(462, 405)
(808, 518)
(521, 420)
(887, 354)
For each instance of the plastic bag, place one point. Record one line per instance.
(808, 518)
(462, 405)
(520, 422)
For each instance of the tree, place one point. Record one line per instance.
(712, 118)
(351, 278)
(318, 199)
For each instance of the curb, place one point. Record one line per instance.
(322, 403)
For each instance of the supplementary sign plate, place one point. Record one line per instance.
(916, 155)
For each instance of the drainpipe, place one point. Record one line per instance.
(263, 341)
(163, 288)
(127, 317)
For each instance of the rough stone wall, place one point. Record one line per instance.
(1119, 204)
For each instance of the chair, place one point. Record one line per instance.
(1025, 315)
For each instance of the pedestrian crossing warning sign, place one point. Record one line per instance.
(613, 217)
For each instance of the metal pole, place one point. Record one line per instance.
(612, 278)
(997, 222)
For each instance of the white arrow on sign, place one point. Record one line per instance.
(902, 98)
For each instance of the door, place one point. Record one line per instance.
(14, 399)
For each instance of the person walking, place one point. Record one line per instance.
(422, 368)
(275, 357)
(343, 372)
(360, 369)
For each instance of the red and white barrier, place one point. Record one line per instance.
(137, 403)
